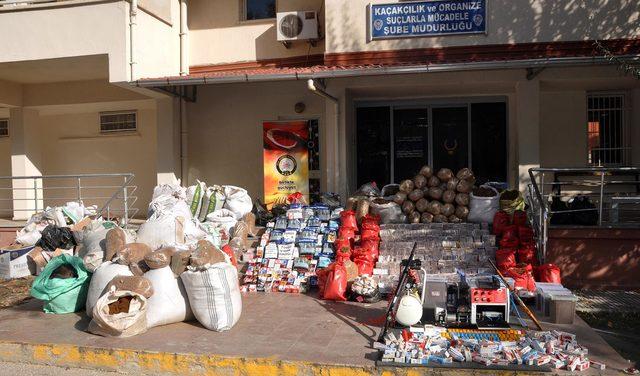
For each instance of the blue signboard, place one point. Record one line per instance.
(427, 18)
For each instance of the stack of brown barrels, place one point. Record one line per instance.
(436, 197)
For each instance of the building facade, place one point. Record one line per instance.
(171, 89)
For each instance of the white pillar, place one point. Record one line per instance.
(528, 128)
(26, 160)
(168, 141)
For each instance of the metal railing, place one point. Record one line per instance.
(113, 195)
(607, 188)
(25, 2)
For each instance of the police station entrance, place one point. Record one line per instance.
(395, 139)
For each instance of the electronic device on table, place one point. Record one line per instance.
(477, 300)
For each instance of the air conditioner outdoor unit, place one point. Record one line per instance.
(302, 25)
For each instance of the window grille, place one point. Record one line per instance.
(124, 121)
(4, 127)
(607, 134)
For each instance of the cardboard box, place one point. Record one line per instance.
(13, 263)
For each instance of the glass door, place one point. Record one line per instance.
(410, 141)
(450, 137)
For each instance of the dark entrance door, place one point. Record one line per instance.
(450, 137)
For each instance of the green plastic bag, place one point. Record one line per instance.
(62, 295)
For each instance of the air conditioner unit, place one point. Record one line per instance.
(302, 25)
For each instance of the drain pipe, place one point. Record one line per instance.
(318, 89)
(184, 160)
(184, 63)
(133, 13)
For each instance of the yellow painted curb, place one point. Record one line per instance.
(154, 363)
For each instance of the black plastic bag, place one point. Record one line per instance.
(588, 217)
(368, 190)
(54, 237)
(263, 216)
(559, 218)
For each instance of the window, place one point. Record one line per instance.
(4, 127)
(259, 9)
(123, 121)
(607, 143)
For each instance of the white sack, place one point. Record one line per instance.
(120, 325)
(223, 218)
(213, 200)
(214, 295)
(174, 190)
(483, 209)
(169, 205)
(162, 231)
(29, 235)
(238, 200)
(100, 279)
(169, 303)
(93, 243)
(74, 211)
(195, 196)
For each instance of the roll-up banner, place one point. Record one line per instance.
(286, 160)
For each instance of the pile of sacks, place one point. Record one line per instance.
(174, 268)
(430, 196)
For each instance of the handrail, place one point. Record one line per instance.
(537, 193)
(111, 193)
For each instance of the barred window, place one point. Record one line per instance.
(4, 127)
(607, 133)
(122, 121)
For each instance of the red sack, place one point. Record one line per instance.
(519, 218)
(523, 280)
(525, 234)
(549, 273)
(505, 259)
(370, 231)
(229, 251)
(510, 231)
(527, 254)
(509, 243)
(322, 279)
(341, 243)
(371, 246)
(347, 233)
(500, 221)
(348, 220)
(335, 287)
(371, 219)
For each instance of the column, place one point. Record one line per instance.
(528, 128)
(168, 140)
(26, 160)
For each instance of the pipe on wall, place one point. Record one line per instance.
(184, 138)
(315, 87)
(184, 53)
(133, 13)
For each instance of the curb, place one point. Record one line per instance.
(154, 363)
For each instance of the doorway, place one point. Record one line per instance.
(394, 140)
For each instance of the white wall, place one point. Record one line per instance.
(225, 129)
(72, 144)
(508, 22)
(218, 35)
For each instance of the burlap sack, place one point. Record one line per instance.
(139, 268)
(115, 241)
(180, 261)
(139, 285)
(205, 254)
(132, 253)
(160, 258)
